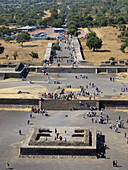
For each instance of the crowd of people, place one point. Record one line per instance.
(84, 92)
(100, 117)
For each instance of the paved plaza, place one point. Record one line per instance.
(102, 81)
(13, 121)
(10, 140)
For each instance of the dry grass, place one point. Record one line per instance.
(38, 46)
(121, 110)
(47, 14)
(110, 48)
(122, 97)
(73, 89)
(16, 109)
(122, 75)
(34, 92)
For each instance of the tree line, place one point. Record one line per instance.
(30, 12)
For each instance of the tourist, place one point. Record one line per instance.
(92, 120)
(30, 81)
(65, 140)
(127, 140)
(107, 119)
(125, 134)
(114, 163)
(127, 120)
(80, 103)
(115, 129)
(57, 135)
(55, 130)
(60, 138)
(110, 126)
(32, 109)
(30, 115)
(7, 165)
(28, 122)
(19, 132)
(95, 120)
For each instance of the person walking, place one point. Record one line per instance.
(30, 115)
(7, 165)
(19, 132)
(28, 122)
(92, 120)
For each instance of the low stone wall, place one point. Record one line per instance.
(58, 151)
(19, 101)
(18, 71)
(113, 103)
(66, 105)
(62, 70)
(27, 149)
(78, 70)
(2, 76)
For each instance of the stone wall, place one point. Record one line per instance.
(66, 105)
(27, 149)
(14, 71)
(2, 76)
(113, 104)
(62, 70)
(58, 151)
(19, 101)
(78, 70)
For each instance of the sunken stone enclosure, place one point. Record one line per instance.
(75, 141)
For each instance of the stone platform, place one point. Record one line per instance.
(75, 141)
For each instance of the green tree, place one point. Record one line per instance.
(112, 58)
(76, 33)
(8, 39)
(15, 55)
(122, 27)
(57, 22)
(91, 34)
(55, 47)
(6, 55)
(94, 43)
(23, 37)
(1, 49)
(54, 13)
(44, 22)
(34, 55)
(122, 48)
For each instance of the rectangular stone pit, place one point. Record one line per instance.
(76, 141)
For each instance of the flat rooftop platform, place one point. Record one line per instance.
(69, 141)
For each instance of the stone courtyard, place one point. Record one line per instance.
(12, 121)
(60, 141)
